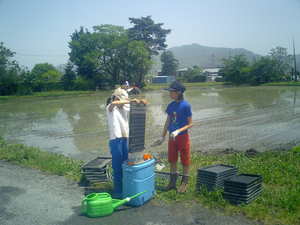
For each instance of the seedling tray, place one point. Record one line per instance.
(242, 196)
(233, 189)
(242, 201)
(217, 170)
(204, 180)
(223, 177)
(243, 180)
(97, 163)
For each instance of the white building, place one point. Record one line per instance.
(212, 73)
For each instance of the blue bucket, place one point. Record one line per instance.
(138, 178)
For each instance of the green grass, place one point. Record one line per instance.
(280, 200)
(286, 83)
(50, 94)
(37, 159)
(151, 87)
(279, 203)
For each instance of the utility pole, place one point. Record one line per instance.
(295, 64)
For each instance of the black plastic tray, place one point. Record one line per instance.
(210, 184)
(238, 202)
(243, 180)
(98, 163)
(217, 170)
(210, 180)
(233, 189)
(242, 196)
(222, 177)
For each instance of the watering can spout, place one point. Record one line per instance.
(118, 203)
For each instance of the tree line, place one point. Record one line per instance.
(99, 58)
(276, 66)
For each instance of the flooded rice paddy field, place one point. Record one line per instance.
(241, 118)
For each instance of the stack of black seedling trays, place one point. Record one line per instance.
(137, 120)
(242, 188)
(213, 177)
(97, 170)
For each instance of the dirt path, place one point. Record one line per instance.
(30, 197)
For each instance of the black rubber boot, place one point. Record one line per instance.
(172, 182)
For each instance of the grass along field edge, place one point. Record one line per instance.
(51, 94)
(286, 83)
(278, 204)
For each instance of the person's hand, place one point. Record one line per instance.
(135, 100)
(144, 101)
(138, 101)
(158, 142)
(174, 134)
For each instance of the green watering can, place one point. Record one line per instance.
(102, 204)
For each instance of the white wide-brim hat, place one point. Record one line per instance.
(120, 94)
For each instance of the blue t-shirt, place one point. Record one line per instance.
(179, 113)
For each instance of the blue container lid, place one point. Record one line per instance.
(138, 166)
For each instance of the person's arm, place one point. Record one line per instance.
(116, 103)
(188, 126)
(123, 102)
(184, 128)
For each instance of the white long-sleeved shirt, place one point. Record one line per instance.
(118, 121)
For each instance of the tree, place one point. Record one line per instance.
(106, 56)
(44, 77)
(169, 63)
(194, 74)
(236, 69)
(263, 71)
(283, 62)
(151, 33)
(97, 54)
(136, 63)
(69, 77)
(9, 72)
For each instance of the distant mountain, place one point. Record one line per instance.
(204, 56)
(195, 54)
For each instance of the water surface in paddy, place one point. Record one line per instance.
(240, 118)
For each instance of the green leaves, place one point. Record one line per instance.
(106, 56)
(169, 63)
(43, 77)
(151, 33)
(274, 67)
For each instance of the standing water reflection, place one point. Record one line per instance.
(240, 118)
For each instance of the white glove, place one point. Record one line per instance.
(174, 134)
(158, 142)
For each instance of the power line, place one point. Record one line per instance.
(39, 55)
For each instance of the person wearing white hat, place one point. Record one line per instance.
(117, 110)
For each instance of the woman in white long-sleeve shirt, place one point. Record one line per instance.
(117, 111)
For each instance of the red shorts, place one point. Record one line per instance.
(180, 144)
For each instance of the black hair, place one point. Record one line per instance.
(109, 100)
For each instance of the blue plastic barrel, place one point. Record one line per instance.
(138, 178)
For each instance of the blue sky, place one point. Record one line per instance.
(39, 30)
